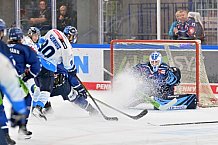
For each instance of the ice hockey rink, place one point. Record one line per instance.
(70, 125)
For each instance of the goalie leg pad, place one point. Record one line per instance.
(184, 101)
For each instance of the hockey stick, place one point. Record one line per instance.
(140, 115)
(99, 109)
(186, 123)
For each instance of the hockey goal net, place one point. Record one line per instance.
(184, 54)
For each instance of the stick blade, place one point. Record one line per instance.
(111, 118)
(140, 115)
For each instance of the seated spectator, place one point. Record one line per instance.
(171, 33)
(64, 19)
(41, 19)
(185, 29)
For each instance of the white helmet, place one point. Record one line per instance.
(155, 60)
(33, 30)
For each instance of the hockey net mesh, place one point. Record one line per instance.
(186, 55)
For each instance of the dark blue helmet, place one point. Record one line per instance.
(15, 33)
(2, 25)
(71, 33)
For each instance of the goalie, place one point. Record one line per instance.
(159, 79)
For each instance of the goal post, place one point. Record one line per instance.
(184, 54)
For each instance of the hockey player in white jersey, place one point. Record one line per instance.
(55, 48)
(32, 38)
(68, 86)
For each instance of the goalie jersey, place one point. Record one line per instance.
(162, 81)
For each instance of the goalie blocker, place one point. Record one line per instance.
(184, 101)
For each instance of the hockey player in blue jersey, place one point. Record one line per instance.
(161, 80)
(23, 56)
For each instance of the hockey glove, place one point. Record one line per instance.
(26, 75)
(81, 90)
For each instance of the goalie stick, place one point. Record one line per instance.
(140, 115)
(99, 109)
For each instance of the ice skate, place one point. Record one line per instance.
(92, 111)
(37, 112)
(23, 133)
(9, 140)
(48, 109)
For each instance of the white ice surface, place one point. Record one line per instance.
(70, 125)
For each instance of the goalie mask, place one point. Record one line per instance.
(71, 33)
(155, 60)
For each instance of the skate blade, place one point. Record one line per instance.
(49, 111)
(24, 137)
(39, 115)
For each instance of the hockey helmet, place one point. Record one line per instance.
(2, 25)
(71, 33)
(2, 28)
(155, 60)
(33, 30)
(15, 34)
(34, 34)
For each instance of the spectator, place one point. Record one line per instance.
(171, 33)
(64, 19)
(185, 29)
(41, 19)
(200, 35)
